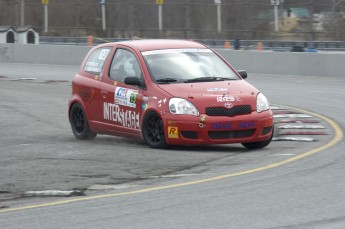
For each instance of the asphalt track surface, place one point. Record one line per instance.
(125, 184)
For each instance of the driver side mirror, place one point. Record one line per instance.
(134, 81)
(243, 74)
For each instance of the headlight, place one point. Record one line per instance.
(262, 103)
(182, 106)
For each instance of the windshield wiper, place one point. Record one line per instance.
(166, 80)
(206, 79)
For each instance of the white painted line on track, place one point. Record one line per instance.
(107, 187)
(292, 116)
(301, 127)
(172, 176)
(301, 139)
(284, 154)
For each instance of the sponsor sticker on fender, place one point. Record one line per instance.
(172, 132)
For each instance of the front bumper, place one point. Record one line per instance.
(191, 130)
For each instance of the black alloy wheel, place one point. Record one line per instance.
(79, 123)
(153, 131)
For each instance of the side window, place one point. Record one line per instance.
(124, 64)
(95, 62)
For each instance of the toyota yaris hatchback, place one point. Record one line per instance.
(167, 92)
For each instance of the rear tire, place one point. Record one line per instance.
(258, 145)
(79, 123)
(153, 131)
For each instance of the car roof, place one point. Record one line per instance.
(158, 44)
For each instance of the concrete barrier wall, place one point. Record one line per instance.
(260, 62)
(43, 54)
(287, 63)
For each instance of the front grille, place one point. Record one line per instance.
(266, 130)
(189, 134)
(231, 134)
(222, 111)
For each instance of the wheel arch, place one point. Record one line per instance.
(75, 99)
(146, 112)
(161, 144)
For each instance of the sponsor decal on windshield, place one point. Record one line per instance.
(147, 53)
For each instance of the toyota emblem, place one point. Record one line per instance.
(228, 105)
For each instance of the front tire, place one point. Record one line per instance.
(258, 145)
(153, 131)
(79, 123)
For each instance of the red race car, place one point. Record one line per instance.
(167, 92)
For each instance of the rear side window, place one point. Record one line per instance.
(96, 60)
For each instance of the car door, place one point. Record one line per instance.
(121, 103)
(89, 89)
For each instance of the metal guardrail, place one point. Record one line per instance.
(244, 44)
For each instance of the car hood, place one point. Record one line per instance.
(214, 94)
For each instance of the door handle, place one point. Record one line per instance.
(104, 94)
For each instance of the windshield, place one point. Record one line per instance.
(187, 65)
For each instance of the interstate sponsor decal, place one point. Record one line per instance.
(126, 118)
(126, 97)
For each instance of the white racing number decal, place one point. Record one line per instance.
(126, 118)
(126, 97)
(103, 55)
(96, 60)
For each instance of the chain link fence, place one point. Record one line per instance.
(189, 19)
